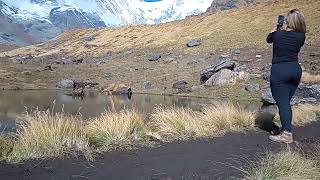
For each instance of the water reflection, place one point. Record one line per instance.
(14, 103)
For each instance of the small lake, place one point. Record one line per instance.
(15, 103)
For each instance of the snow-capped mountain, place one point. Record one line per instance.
(111, 12)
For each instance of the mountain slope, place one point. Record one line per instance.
(44, 19)
(243, 27)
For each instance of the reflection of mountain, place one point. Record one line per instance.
(28, 21)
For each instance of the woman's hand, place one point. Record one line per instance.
(274, 30)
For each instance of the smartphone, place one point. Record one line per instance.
(280, 21)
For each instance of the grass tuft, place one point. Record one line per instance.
(6, 147)
(181, 123)
(117, 130)
(305, 113)
(178, 124)
(286, 165)
(310, 78)
(227, 117)
(44, 135)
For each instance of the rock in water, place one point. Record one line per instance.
(66, 84)
(252, 87)
(194, 43)
(222, 63)
(181, 86)
(226, 76)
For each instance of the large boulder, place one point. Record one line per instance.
(222, 63)
(304, 94)
(66, 84)
(225, 77)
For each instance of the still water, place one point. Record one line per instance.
(15, 103)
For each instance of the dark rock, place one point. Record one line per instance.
(154, 57)
(222, 63)
(240, 68)
(266, 76)
(89, 38)
(181, 86)
(304, 94)
(194, 43)
(66, 84)
(147, 85)
(252, 87)
(78, 92)
(77, 61)
(48, 68)
(28, 57)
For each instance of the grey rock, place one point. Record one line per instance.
(66, 84)
(26, 73)
(181, 86)
(222, 63)
(240, 68)
(304, 94)
(147, 85)
(266, 76)
(194, 43)
(267, 97)
(252, 87)
(154, 57)
(17, 60)
(237, 51)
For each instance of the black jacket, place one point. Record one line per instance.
(286, 45)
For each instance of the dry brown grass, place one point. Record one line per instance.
(286, 165)
(305, 113)
(310, 78)
(44, 135)
(117, 130)
(178, 124)
(242, 27)
(181, 123)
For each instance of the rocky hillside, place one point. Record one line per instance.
(227, 47)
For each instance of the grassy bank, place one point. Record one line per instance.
(43, 135)
(285, 165)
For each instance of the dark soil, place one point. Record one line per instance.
(217, 158)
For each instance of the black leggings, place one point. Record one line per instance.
(285, 78)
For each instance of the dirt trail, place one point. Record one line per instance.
(216, 158)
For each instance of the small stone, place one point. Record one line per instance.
(108, 75)
(252, 88)
(26, 73)
(237, 51)
(48, 68)
(147, 85)
(154, 57)
(66, 84)
(194, 43)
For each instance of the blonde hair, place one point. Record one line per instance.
(295, 21)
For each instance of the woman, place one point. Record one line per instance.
(286, 71)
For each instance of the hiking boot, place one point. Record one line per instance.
(284, 137)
